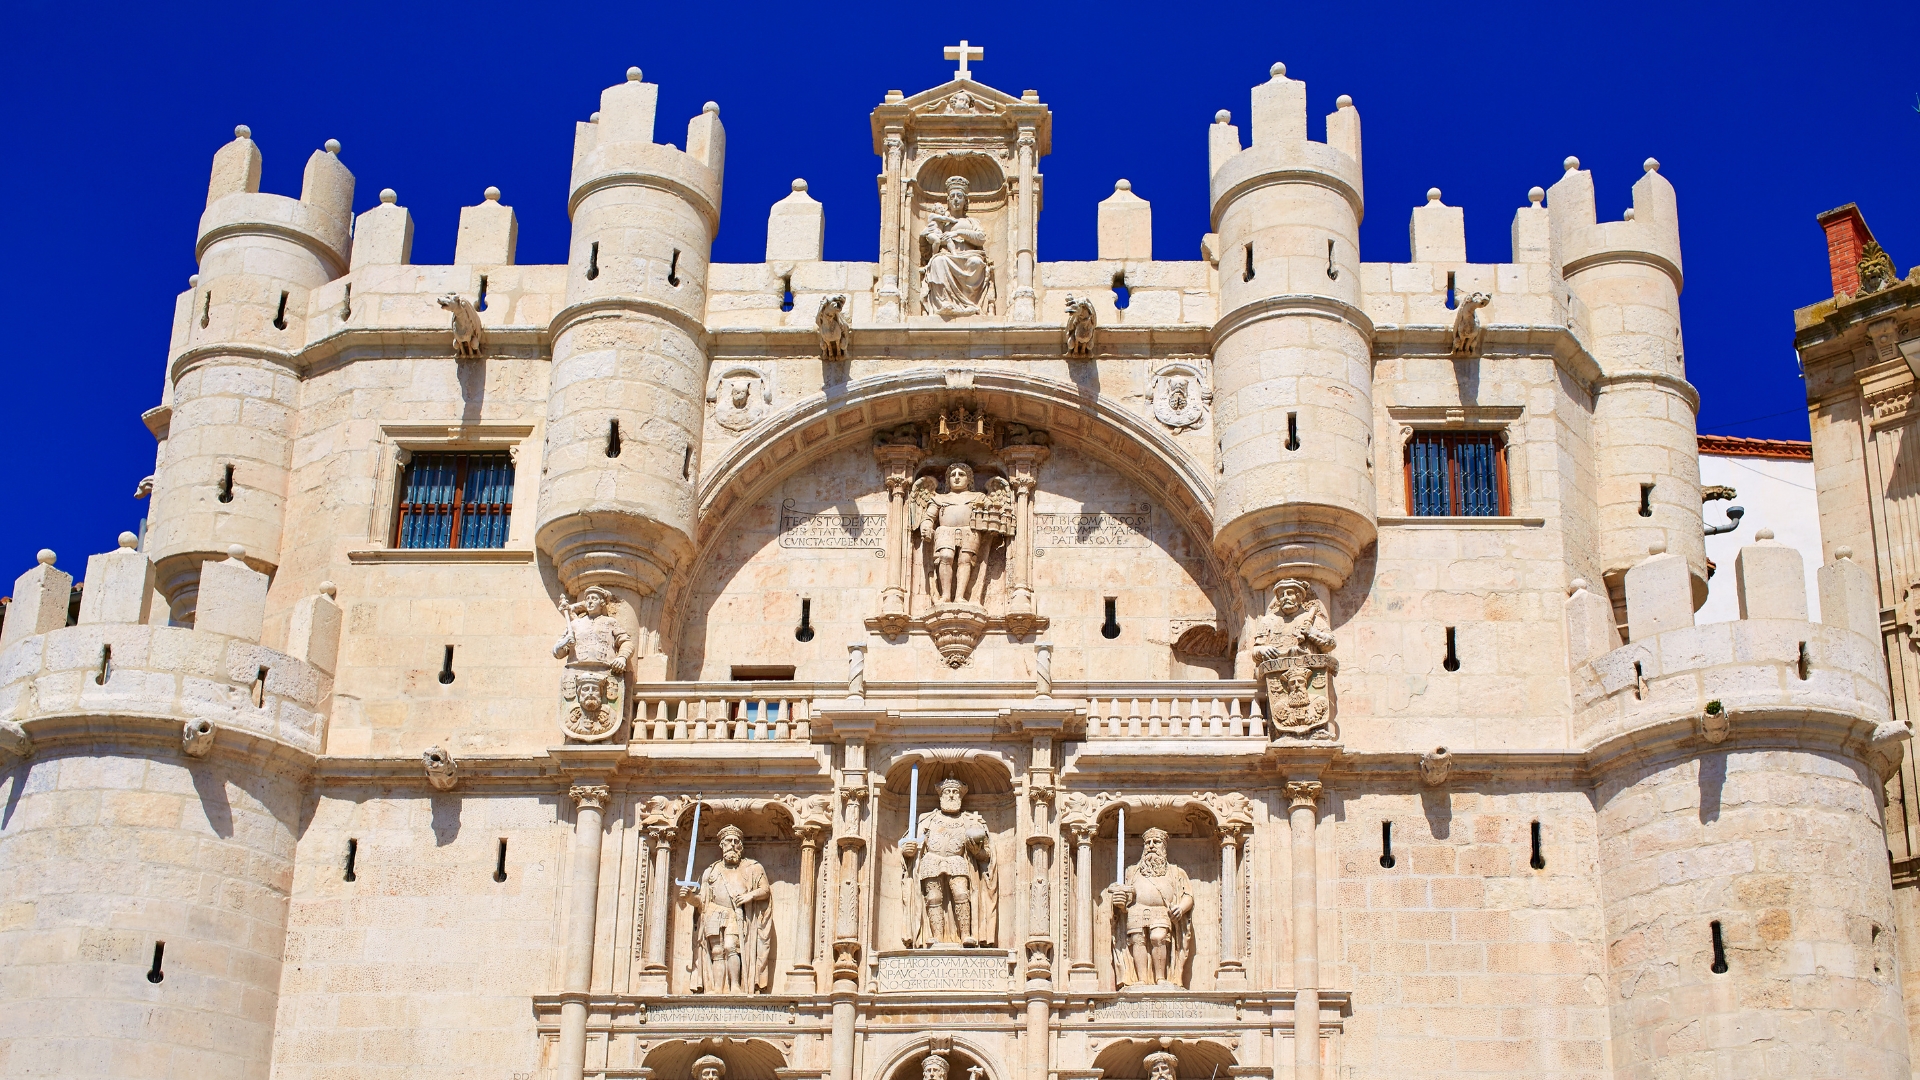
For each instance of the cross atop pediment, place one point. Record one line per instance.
(964, 52)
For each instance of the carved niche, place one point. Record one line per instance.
(959, 528)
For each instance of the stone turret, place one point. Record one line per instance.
(617, 503)
(1627, 274)
(227, 440)
(1292, 354)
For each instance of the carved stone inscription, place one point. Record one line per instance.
(1164, 1009)
(717, 1014)
(921, 970)
(1128, 530)
(798, 530)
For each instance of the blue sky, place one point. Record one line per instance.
(1761, 116)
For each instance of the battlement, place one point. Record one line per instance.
(1649, 233)
(320, 220)
(1281, 149)
(615, 146)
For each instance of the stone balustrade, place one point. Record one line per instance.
(727, 711)
(1175, 710)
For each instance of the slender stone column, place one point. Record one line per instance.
(1231, 970)
(1081, 976)
(887, 298)
(897, 463)
(663, 837)
(1023, 295)
(589, 801)
(1303, 801)
(1023, 472)
(801, 978)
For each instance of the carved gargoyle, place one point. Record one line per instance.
(469, 340)
(1467, 331)
(1080, 325)
(442, 771)
(832, 324)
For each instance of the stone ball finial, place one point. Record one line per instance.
(1763, 534)
(1278, 71)
(1571, 163)
(1344, 101)
(711, 107)
(1433, 194)
(492, 194)
(128, 540)
(633, 74)
(1843, 552)
(595, 118)
(1658, 547)
(799, 185)
(389, 196)
(45, 556)
(1578, 584)
(1123, 185)
(193, 280)
(331, 146)
(242, 131)
(1223, 117)
(1536, 195)
(236, 551)
(1651, 165)
(328, 589)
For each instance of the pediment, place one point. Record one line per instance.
(962, 109)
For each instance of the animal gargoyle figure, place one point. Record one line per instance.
(469, 340)
(1079, 326)
(832, 324)
(1467, 330)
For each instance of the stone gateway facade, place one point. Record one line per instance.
(1269, 665)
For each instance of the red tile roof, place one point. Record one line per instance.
(1734, 446)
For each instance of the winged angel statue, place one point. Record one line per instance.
(961, 525)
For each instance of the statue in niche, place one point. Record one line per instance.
(733, 922)
(1162, 1066)
(956, 276)
(708, 1067)
(954, 897)
(1153, 935)
(1290, 650)
(960, 525)
(597, 649)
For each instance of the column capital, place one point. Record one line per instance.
(588, 796)
(810, 834)
(1303, 794)
(1231, 835)
(663, 834)
(897, 461)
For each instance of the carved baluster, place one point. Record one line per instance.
(783, 730)
(1133, 720)
(1155, 719)
(680, 718)
(803, 721)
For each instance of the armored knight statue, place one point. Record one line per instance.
(960, 526)
(1153, 931)
(597, 649)
(950, 865)
(956, 277)
(1291, 647)
(733, 922)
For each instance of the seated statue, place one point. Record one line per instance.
(956, 276)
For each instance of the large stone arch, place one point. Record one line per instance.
(961, 1052)
(821, 425)
(1125, 1059)
(747, 1059)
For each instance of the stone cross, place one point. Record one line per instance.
(964, 52)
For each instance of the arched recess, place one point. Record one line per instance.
(962, 1054)
(1125, 1059)
(747, 1059)
(787, 442)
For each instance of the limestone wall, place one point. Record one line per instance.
(108, 849)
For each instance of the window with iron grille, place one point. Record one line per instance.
(1457, 474)
(455, 501)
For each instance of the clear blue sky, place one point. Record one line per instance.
(1761, 115)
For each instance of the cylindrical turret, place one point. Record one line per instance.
(1627, 275)
(222, 477)
(617, 498)
(1293, 366)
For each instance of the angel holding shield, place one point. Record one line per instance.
(961, 525)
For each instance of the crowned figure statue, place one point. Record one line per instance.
(956, 276)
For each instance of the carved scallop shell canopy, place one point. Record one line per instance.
(986, 181)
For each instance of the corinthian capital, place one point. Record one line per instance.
(588, 796)
(1303, 794)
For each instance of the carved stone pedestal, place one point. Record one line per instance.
(956, 629)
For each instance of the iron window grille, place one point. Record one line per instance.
(1457, 474)
(455, 501)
